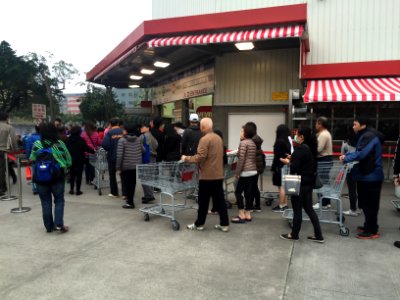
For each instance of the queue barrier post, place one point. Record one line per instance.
(20, 208)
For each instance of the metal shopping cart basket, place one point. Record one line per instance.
(99, 162)
(267, 195)
(229, 176)
(170, 178)
(333, 176)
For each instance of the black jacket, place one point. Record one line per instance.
(281, 150)
(172, 147)
(190, 140)
(160, 137)
(77, 147)
(303, 163)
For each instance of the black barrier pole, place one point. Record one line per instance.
(20, 208)
(8, 196)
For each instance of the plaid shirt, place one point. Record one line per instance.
(60, 152)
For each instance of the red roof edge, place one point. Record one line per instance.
(235, 19)
(352, 70)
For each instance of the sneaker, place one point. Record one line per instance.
(71, 192)
(316, 206)
(397, 244)
(316, 240)
(286, 236)
(194, 227)
(257, 209)
(360, 229)
(61, 229)
(128, 206)
(352, 213)
(367, 236)
(222, 228)
(279, 209)
(79, 193)
(113, 196)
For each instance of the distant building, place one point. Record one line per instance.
(131, 100)
(72, 103)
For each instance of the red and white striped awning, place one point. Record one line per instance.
(353, 90)
(290, 31)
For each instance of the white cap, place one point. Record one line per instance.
(194, 118)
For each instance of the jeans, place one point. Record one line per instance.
(128, 178)
(45, 194)
(112, 171)
(327, 163)
(369, 194)
(246, 185)
(304, 200)
(214, 189)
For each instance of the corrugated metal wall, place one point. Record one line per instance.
(353, 30)
(177, 8)
(249, 78)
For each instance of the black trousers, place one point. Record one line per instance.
(352, 187)
(323, 173)
(128, 178)
(246, 185)
(76, 175)
(214, 189)
(369, 194)
(256, 193)
(112, 172)
(304, 200)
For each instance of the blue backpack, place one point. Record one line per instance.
(46, 168)
(146, 154)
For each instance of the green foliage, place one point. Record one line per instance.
(99, 105)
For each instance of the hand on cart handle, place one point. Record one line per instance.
(396, 180)
(183, 158)
(286, 160)
(342, 157)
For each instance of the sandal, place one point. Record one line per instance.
(238, 220)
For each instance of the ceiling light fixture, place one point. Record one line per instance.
(134, 86)
(147, 71)
(161, 64)
(135, 77)
(244, 46)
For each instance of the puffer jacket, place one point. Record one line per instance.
(129, 153)
(246, 157)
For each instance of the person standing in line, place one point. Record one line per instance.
(93, 141)
(146, 138)
(110, 143)
(191, 136)
(8, 142)
(49, 139)
(172, 146)
(210, 158)
(396, 172)
(350, 146)
(282, 148)
(77, 148)
(157, 131)
(324, 156)
(129, 154)
(303, 163)
(368, 174)
(246, 174)
(30, 140)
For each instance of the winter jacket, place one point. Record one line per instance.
(8, 139)
(260, 156)
(110, 143)
(77, 147)
(151, 141)
(172, 147)
(190, 140)
(129, 153)
(369, 156)
(303, 163)
(246, 157)
(160, 137)
(93, 141)
(281, 150)
(29, 143)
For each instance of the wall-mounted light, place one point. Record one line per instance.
(161, 64)
(134, 86)
(135, 77)
(244, 46)
(147, 71)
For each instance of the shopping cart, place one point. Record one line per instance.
(229, 176)
(333, 176)
(99, 162)
(267, 195)
(170, 178)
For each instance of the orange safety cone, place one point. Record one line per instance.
(28, 173)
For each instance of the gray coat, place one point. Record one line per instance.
(8, 139)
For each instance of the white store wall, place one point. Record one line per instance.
(339, 30)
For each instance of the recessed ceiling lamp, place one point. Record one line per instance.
(244, 46)
(134, 86)
(161, 64)
(147, 71)
(135, 77)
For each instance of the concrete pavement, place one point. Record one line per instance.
(111, 253)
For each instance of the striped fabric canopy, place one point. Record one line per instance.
(353, 90)
(229, 37)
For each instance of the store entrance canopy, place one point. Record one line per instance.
(353, 90)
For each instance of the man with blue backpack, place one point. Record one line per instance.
(50, 159)
(150, 145)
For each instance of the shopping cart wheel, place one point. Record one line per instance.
(146, 217)
(344, 231)
(228, 205)
(268, 201)
(175, 225)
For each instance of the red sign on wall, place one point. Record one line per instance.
(39, 111)
(204, 111)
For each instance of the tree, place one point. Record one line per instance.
(99, 105)
(17, 79)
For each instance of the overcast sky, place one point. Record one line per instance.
(81, 32)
